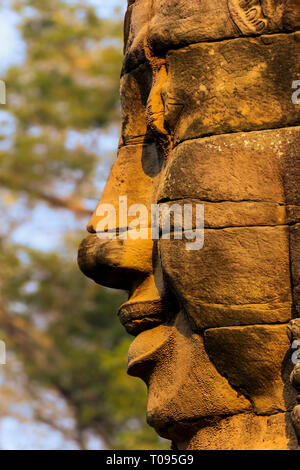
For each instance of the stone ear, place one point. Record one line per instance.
(155, 105)
(248, 16)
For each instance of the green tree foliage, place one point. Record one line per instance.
(62, 326)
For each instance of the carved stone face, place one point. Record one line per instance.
(208, 118)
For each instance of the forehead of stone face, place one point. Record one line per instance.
(165, 24)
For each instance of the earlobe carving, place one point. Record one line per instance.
(155, 105)
(248, 16)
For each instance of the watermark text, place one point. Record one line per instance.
(163, 221)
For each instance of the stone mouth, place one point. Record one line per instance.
(137, 317)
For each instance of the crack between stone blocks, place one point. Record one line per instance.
(212, 420)
(218, 201)
(215, 41)
(210, 136)
(234, 38)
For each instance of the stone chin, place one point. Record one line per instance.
(183, 385)
(199, 378)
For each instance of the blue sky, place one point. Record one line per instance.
(12, 48)
(106, 7)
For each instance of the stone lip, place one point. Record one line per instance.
(137, 317)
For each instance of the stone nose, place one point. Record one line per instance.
(116, 263)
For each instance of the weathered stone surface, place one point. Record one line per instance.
(236, 214)
(135, 174)
(230, 86)
(243, 432)
(180, 23)
(102, 260)
(175, 24)
(259, 167)
(169, 397)
(296, 419)
(295, 265)
(240, 277)
(136, 29)
(255, 361)
(170, 25)
(135, 90)
(294, 329)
